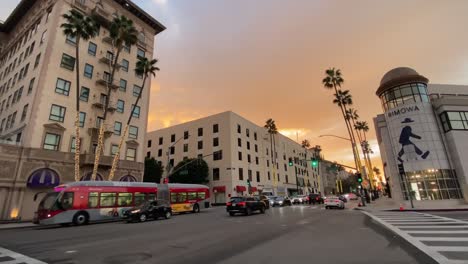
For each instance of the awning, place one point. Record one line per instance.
(88, 175)
(240, 188)
(43, 178)
(253, 189)
(219, 189)
(127, 178)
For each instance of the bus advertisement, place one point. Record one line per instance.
(92, 201)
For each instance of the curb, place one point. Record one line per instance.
(6, 227)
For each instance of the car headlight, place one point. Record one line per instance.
(280, 202)
(135, 211)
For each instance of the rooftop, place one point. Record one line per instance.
(399, 76)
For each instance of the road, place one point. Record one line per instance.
(297, 234)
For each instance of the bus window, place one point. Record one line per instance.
(201, 195)
(151, 196)
(192, 195)
(173, 197)
(93, 200)
(139, 198)
(67, 200)
(107, 199)
(125, 199)
(181, 197)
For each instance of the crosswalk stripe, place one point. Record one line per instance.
(452, 249)
(444, 239)
(440, 232)
(18, 258)
(429, 226)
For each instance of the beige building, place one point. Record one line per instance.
(37, 97)
(236, 150)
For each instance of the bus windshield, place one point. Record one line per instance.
(49, 201)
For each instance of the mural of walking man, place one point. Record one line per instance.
(405, 140)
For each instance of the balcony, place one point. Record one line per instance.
(105, 82)
(107, 40)
(88, 159)
(106, 60)
(93, 130)
(80, 5)
(101, 15)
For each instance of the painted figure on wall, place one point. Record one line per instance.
(405, 140)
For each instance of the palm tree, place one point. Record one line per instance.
(122, 34)
(305, 144)
(364, 127)
(272, 130)
(79, 27)
(146, 68)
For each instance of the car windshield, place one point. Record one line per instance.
(279, 198)
(237, 199)
(49, 201)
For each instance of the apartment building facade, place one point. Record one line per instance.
(236, 150)
(37, 94)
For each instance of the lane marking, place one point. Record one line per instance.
(18, 258)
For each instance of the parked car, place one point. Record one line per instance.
(152, 209)
(334, 202)
(299, 199)
(315, 198)
(281, 201)
(265, 200)
(271, 199)
(245, 205)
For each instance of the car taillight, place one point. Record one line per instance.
(337, 201)
(316, 198)
(241, 204)
(228, 204)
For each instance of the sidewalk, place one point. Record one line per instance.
(16, 225)
(388, 204)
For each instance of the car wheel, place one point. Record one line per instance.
(196, 208)
(262, 209)
(143, 218)
(80, 218)
(232, 213)
(168, 214)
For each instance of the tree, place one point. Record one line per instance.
(79, 27)
(122, 34)
(305, 144)
(272, 131)
(333, 80)
(190, 171)
(350, 183)
(153, 170)
(364, 127)
(144, 67)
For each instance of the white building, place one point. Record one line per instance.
(242, 151)
(424, 131)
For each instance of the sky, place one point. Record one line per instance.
(266, 59)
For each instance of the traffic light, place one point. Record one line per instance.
(290, 162)
(359, 177)
(314, 163)
(248, 182)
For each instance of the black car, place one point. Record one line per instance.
(315, 198)
(265, 200)
(281, 201)
(152, 209)
(245, 205)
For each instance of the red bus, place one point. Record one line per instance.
(90, 201)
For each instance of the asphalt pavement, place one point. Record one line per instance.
(296, 234)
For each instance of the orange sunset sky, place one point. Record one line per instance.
(266, 58)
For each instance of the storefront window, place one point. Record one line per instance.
(431, 185)
(404, 94)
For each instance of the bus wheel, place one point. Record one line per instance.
(196, 208)
(80, 218)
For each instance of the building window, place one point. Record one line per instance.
(160, 141)
(25, 112)
(131, 154)
(38, 59)
(215, 142)
(82, 119)
(255, 135)
(136, 90)
(239, 142)
(241, 174)
(285, 167)
(120, 106)
(172, 138)
(117, 128)
(269, 177)
(31, 85)
(215, 128)
(256, 148)
(200, 131)
(68, 62)
(185, 147)
(186, 135)
(84, 94)
(123, 85)
(215, 174)
(62, 87)
(43, 37)
(249, 175)
(110, 56)
(452, 120)
(71, 40)
(148, 154)
(218, 155)
(247, 132)
(13, 119)
(114, 149)
(133, 132)
(239, 129)
(136, 111)
(92, 49)
(239, 154)
(125, 65)
(140, 53)
(172, 150)
(88, 70)
(200, 144)
(57, 113)
(248, 158)
(285, 178)
(258, 176)
(248, 145)
(106, 77)
(268, 163)
(149, 143)
(256, 160)
(51, 141)
(159, 152)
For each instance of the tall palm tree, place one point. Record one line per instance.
(79, 27)
(272, 130)
(123, 34)
(305, 144)
(146, 68)
(364, 127)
